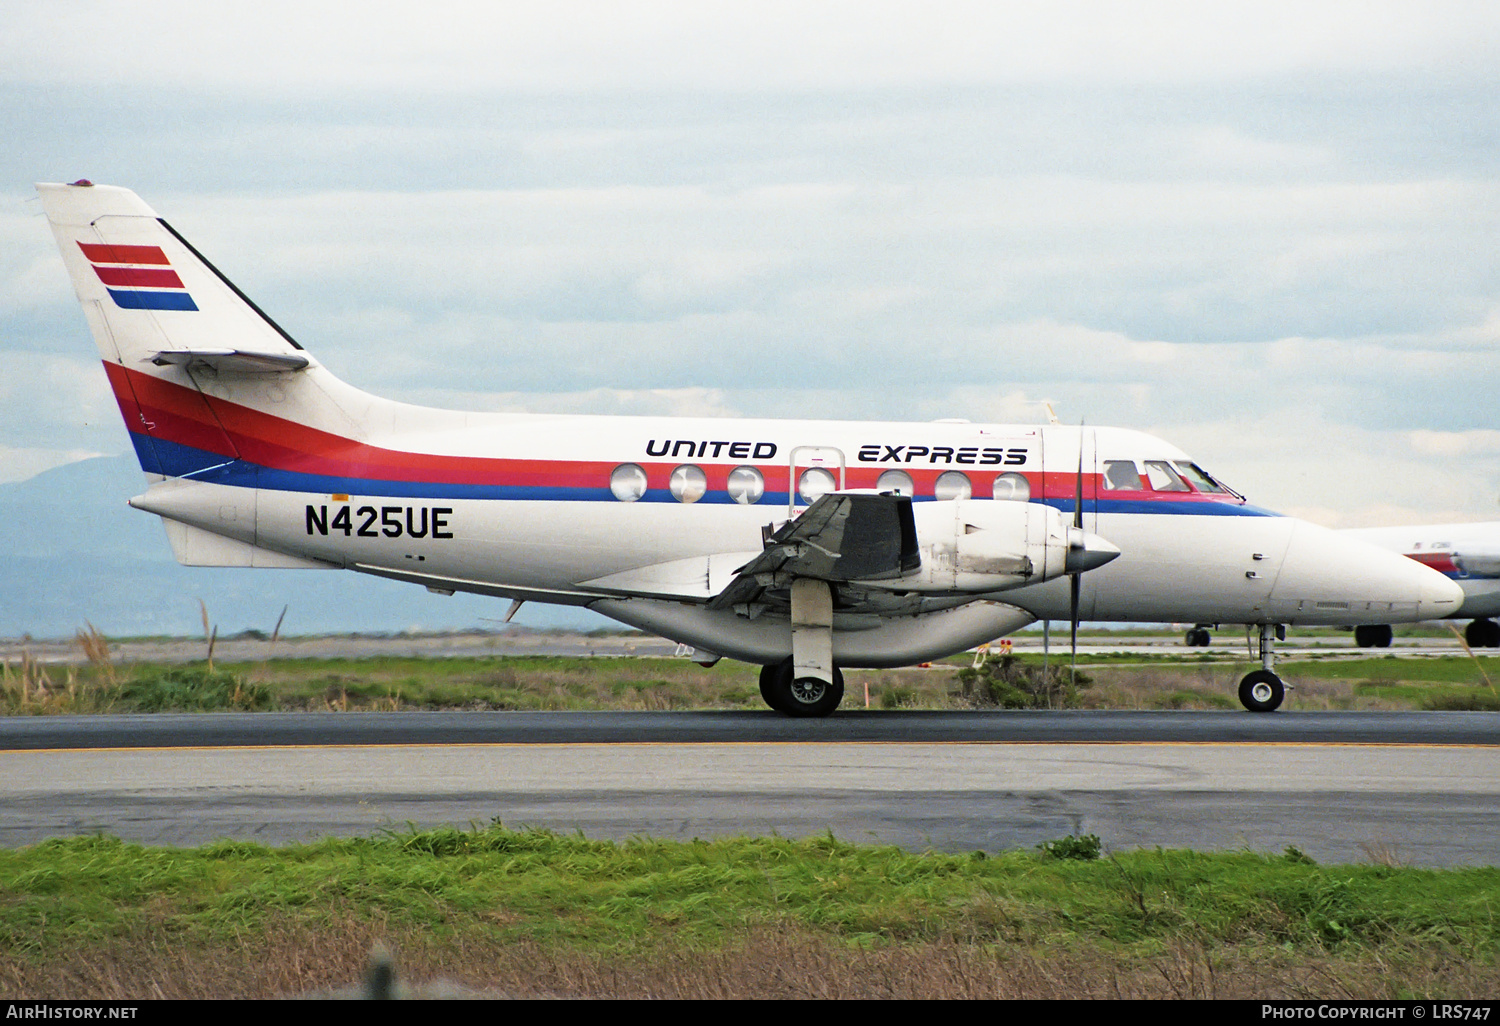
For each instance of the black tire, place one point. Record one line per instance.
(1198, 637)
(1262, 691)
(768, 684)
(1483, 634)
(1373, 635)
(806, 696)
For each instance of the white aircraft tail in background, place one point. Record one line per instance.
(800, 545)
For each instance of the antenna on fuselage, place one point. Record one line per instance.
(1046, 404)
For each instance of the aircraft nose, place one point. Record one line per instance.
(1441, 597)
(1328, 577)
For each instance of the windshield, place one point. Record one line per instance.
(1202, 481)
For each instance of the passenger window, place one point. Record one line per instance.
(746, 485)
(687, 484)
(1121, 476)
(1163, 478)
(952, 484)
(1012, 488)
(815, 483)
(628, 482)
(898, 481)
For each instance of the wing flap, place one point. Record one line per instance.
(840, 538)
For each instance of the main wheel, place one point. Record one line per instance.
(806, 696)
(770, 692)
(1262, 691)
(1373, 635)
(1483, 634)
(1198, 637)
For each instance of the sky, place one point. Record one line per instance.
(1263, 231)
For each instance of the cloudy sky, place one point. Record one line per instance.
(1264, 231)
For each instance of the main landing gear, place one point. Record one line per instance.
(1373, 635)
(807, 684)
(1261, 690)
(1483, 633)
(800, 696)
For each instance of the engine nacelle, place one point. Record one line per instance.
(980, 545)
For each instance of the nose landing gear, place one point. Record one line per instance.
(1261, 690)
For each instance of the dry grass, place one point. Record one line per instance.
(89, 681)
(31, 688)
(768, 963)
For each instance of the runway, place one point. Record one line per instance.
(1419, 788)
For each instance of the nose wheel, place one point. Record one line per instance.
(1262, 690)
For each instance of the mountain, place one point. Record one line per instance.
(76, 553)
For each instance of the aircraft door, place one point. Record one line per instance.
(813, 471)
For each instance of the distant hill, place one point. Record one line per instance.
(74, 552)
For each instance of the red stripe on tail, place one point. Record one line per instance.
(146, 276)
(110, 254)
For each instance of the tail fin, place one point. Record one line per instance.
(164, 320)
(211, 389)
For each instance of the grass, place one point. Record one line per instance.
(534, 913)
(92, 683)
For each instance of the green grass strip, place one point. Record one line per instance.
(495, 884)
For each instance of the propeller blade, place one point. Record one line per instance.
(1074, 581)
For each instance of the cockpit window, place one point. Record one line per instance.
(1201, 481)
(1163, 478)
(1121, 475)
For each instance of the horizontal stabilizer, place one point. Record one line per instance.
(231, 361)
(194, 546)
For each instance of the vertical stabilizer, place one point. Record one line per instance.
(174, 333)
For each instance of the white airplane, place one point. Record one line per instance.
(800, 545)
(1466, 553)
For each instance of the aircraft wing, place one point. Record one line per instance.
(840, 537)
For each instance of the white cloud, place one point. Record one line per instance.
(1304, 464)
(587, 45)
(1051, 221)
(21, 464)
(1449, 444)
(54, 410)
(655, 402)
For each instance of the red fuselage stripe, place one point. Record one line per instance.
(176, 413)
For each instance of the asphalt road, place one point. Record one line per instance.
(1419, 788)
